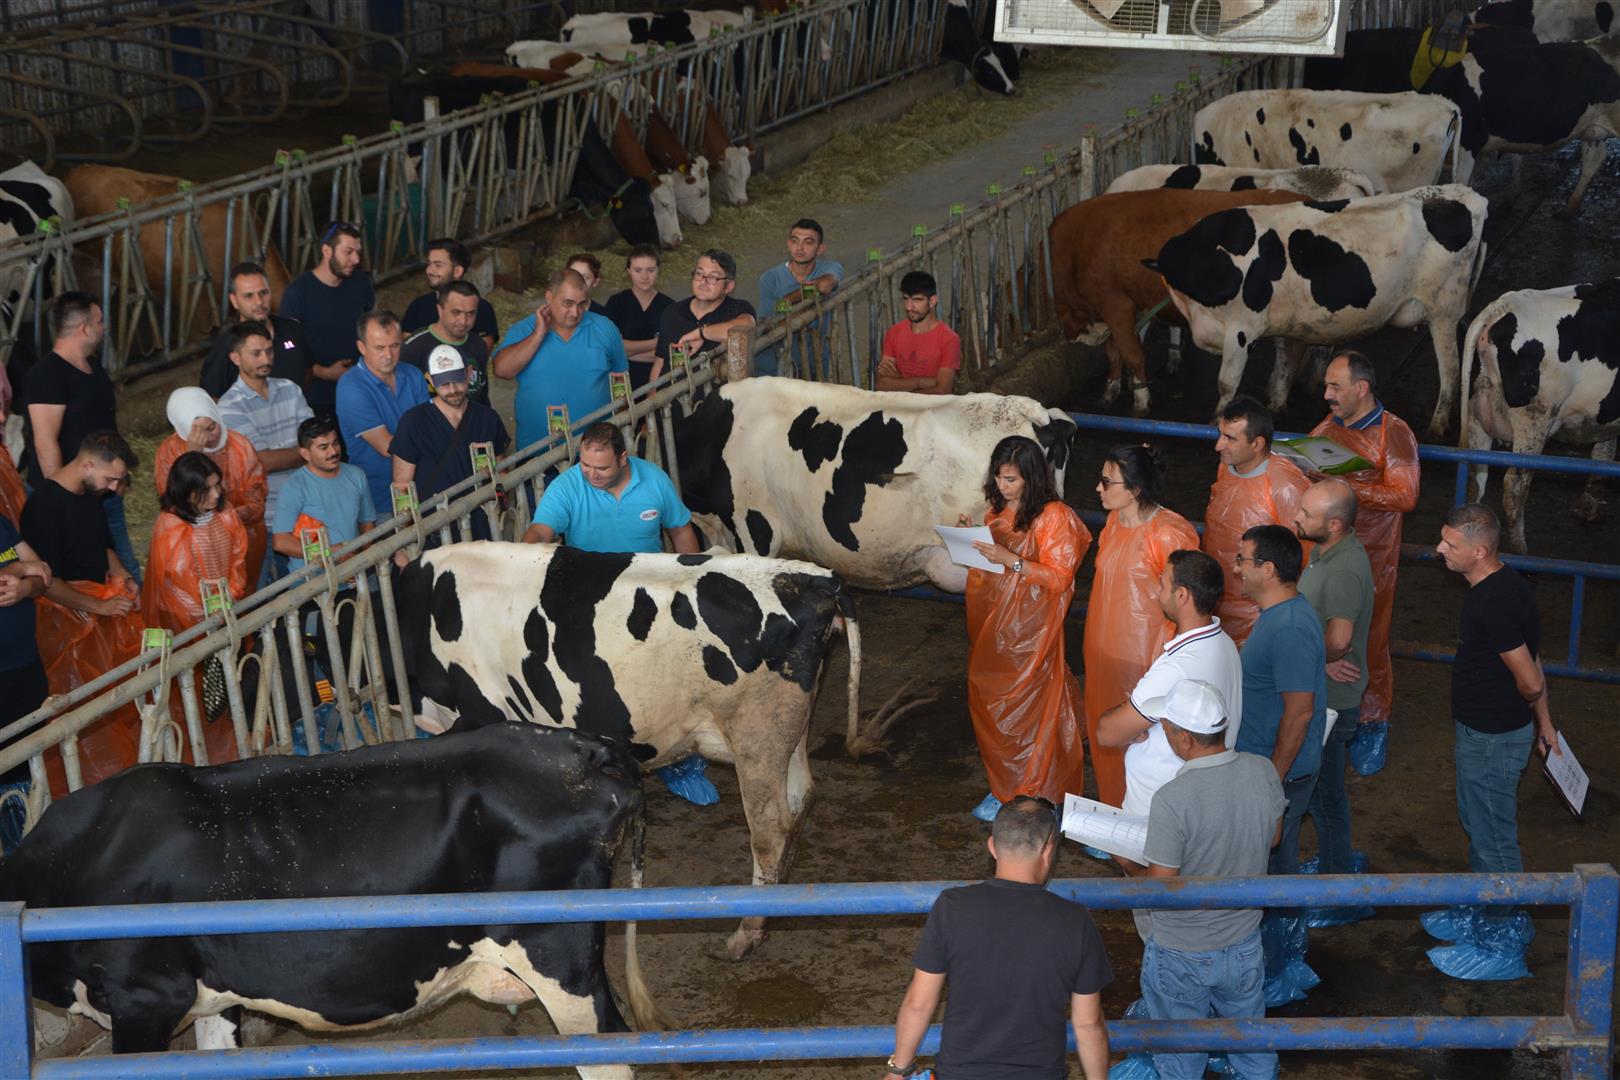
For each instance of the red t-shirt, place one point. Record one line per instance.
(921, 356)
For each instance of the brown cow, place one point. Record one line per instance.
(1098, 279)
(96, 189)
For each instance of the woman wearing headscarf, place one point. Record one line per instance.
(196, 539)
(1125, 626)
(1022, 696)
(199, 428)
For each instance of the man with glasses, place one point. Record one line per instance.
(1021, 962)
(250, 302)
(699, 324)
(328, 300)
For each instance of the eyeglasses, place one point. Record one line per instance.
(1107, 483)
(1240, 558)
(712, 279)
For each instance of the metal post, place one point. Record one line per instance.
(16, 996)
(1576, 611)
(1589, 979)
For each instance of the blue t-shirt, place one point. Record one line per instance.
(778, 282)
(572, 373)
(328, 314)
(1284, 654)
(342, 503)
(365, 402)
(17, 647)
(596, 520)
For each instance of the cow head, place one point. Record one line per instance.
(731, 181)
(666, 219)
(692, 192)
(1055, 437)
(989, 73)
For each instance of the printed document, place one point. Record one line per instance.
(959, 543)
(1319, 455)
(1109, 828)
(1567, 776)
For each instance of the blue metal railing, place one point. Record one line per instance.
(1583, 1035)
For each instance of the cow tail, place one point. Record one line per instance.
(853, 743)
(645, 1013)
(1470, 350)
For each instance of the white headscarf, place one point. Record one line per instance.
(187, 405)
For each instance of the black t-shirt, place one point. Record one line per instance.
(69, 532)
(474, 353)
(424, 312)
(1012, 954)
(290, 358)
(1498, 615)
(88, 398)
(635, 322)
(442, 454)
(17, 647)
(678, 321)
(328, 315)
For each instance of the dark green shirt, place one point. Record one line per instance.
(1339, 585)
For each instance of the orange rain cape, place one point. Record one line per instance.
(1022, 695)
(245, 487)
(12, 492)
(1125, 626)
(77, 648)
(1237, 504)
(1384, 493)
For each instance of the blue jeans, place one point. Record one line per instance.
(1488, 769)
(1285, 856)
(1230, 982)
(1330, 806)
(113, 507)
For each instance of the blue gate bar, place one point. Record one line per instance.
(788, 1044)
(737, 901)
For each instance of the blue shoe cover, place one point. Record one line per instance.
(686, 778)
(1220, 1066)
(1285, 937)
(1370, 747)
(1450, 924)
(1480, 963)
(988, 808)
(1097, 853)
(1313, 865)
(1321, 918)
(1138, 1066)
(1291, 984)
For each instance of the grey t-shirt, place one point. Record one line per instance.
(1215, 819)
(1339, 585)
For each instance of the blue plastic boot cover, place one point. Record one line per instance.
(1096, 853)
(1320, 918)
(1495, 951)
(686, 778)
(1450, 924)
(988, 808)
(1370, 747)
(1138, 1066)
(1285, 937)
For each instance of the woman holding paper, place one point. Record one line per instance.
(1125, 626)
(1023, 698)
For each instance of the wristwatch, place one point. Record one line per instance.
(902, 1072)
(1018, 566)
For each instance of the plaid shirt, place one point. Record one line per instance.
(267, 424)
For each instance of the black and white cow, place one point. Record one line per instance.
(1514, 95)
(850, 479)
(1548, 368)
(27, 197)
(961, 42)
(1311, 181)
(1326, 273)
(1400, 141)
(720, 654)
(511, 807)
(1553, 20)
(675, 27)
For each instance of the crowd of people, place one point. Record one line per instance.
(1229, 679)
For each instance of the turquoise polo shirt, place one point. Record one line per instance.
(572, 373)
(595, 520)
(365, 402)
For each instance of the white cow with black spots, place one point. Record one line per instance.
(1311, 181)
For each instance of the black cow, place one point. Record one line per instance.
(963, 44)
(598, 180)
(511, 807)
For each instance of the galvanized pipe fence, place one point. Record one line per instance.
(1582, 1035)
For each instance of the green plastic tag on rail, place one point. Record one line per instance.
(50, 224)
(992, 190)
(956, 209)
(1132, 113)
(185, 186)
(397, 127)
(1029, 170)
(404, 497)
(350, 140)
(299, 153)
(619, 385)
(677, 357)
(808, 291)
(557, 419)
(154, 637)
(283, 159)
(123, 202)
(1157, 100)
(630, 57)
(919, 231)
(783, 306)
(874, 254)
(1181, 86)
(483, 456)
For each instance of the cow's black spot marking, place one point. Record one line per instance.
(873, 450)
(1520, 368)
(576, 584)
(1055, 436)
(1603, 11)
(643, 610)
(1244, 183)
(1344, 131)
(700, 444)
(692, 559)
(1256, 157)
(447, 620)
(1416, 148)
(791, 645)
(1198, 263)
(1303, 155)
(1339, 278)
(25, 205)
(537, 646)
(1449, 222)
(817, 441)
(759, 531)
(520, 699)
(1593, 333)
(1204, 151)
(718, 667)
(1260, 117)
(473, 709)
(1309, 122)
(1247, 140)
(1184, 178)
(1331, 206)
(1242, 340)
(732, 613)
(1264, 272)
(680, 609)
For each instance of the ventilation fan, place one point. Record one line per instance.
(1299, 27)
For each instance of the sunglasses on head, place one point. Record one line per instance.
(333, 229)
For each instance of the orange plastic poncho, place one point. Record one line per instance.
(182, 556)
(1237, 504)
(1022, 695)
(245, 487)
(1384, 493)
(1125, 626)
(78, 647)
(12, 492)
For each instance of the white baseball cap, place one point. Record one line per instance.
(1191, 704)
(446, 366)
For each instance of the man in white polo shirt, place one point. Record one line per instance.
(1189, 591)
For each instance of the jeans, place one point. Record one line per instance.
(1285, 856)
(1230, 982)
(1330, 806)
(1488, 769)
(113, 507)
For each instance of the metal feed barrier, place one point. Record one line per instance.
(1582, 1036)
(484, 171)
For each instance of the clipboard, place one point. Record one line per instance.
(1567, 777)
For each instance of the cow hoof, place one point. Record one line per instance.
(743, 942)
(1139, 403)
(1110, 394)
(1589, 509)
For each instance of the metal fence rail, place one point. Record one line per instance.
(1582, 1036)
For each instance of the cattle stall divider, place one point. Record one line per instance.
(1582, 1036)
(758, 77)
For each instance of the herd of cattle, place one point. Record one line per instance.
(1317, 218)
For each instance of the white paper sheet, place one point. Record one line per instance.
(959, 543)
(1568, 776)
(1109, 828)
